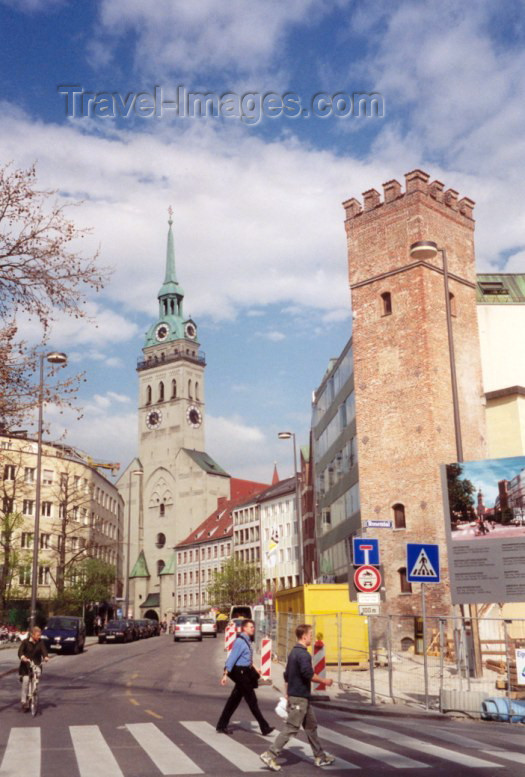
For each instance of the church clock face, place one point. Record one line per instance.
(161, 332)
(190, 331)
(153, 419)
(193, 416)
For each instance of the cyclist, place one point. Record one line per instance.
(31, 649)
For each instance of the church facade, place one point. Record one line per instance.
(172, 484)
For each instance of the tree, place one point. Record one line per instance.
(10, 523)
(90, 581)
(460, 494)
(41, 274)
(236, 582)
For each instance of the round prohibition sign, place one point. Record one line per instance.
(367, 578)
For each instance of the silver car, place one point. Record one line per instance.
(209, 627)
(188, 627)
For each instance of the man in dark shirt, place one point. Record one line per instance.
(31, 649)
(298, 676)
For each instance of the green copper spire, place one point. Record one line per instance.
(170, 285)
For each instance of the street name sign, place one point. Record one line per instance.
(367, 578)
(368, 609)
(365, 551)
(374, 524)
(423, 563)
(368, 598)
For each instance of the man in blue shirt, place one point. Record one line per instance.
(298, 676)
(239, 666)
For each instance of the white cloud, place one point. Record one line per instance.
(273, 335)
(515, 263)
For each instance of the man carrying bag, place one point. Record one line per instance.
(239, 668)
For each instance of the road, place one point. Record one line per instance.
(149, 708)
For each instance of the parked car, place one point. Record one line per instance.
(154, 627)
(65, 633)
(209, 627)
(188, 627)
(144, 628)
(116, 631)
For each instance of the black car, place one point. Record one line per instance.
(116, 631)
(143, 628)
(65, 633)
(154, 627)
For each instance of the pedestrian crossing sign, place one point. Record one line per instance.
(423, 563)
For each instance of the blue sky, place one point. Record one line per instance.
(260, 242)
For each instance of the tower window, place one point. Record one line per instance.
(196, 391)
(148, 395)
(161, 540)
(399, 516)
(165, 306)
(453, 307)
(162, 509)
(161, 392)
(189, 390)
(386, 300)
(172, 305)
(173, 389)
(160, 566)
(404, 585)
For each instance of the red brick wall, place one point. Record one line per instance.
(404, 413)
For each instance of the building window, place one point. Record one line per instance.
(24, 575)
(399, 516)
(28, 506)
(162, 509)
(9, 472)
(43, 575)
(185, 556)
(196, 390)
(29, 475)
(47, 477)
(161, 540)
(26, 540)
(179, 578)
(386, 302)
(44, 541)
(160, 566)
(148, 395)
(173, 389)
(161, 392)
(46, 509)
(189, 390)
(404, 585)
(453, 308)
(185, 578)
(7, 504)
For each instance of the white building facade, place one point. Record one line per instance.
(279, 536)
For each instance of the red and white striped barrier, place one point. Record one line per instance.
(319, 664)
(266, 658)
(229, 637)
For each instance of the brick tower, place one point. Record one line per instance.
(403, 389)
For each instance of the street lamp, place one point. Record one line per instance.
(133, 473)
(427, 249)
(287, 436)
(54, 357)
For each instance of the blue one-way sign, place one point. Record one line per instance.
(422, 563)
(366, 551)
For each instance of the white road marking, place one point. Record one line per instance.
(93, 753)
(166, 756)
(22, 754)
(238, 755)
(421, 745)
(389, 757)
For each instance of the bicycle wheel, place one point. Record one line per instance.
(34, 702)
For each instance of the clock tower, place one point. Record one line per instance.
(173, 484)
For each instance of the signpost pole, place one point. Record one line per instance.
(425, 659)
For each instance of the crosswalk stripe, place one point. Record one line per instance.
(92, 751)
(166, 756)
(389, 757)
(421, 745)
(241, 757)
(300, 748)
(22, 753)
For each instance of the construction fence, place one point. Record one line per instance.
(445, 663)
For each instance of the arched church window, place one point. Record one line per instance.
(399, 516)
(161, 540)
(173, 389)
(161, 392)
(386, 299)
(162, 509)
(189, 390)
(160, 566)
(196, 390)
(148, 395)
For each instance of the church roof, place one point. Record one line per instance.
(169, 569)
(170, 285)
(141, 567)
(152, 600)
(206, 462)
(500, 288)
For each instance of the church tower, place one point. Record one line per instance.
(173, 484)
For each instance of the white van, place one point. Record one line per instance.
(241, 611)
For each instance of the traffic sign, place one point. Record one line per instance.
(368, 598)
(423, 563)
(368, 609)
(373, 524)
(366, 551)
(367, 578)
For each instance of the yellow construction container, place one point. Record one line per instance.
(335, 619)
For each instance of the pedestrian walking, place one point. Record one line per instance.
(239, 667)
(298, 677)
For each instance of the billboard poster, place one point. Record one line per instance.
(273, 548)
(485, 525)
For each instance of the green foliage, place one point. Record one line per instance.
(460, 494)
(236, 583)
(91, 580)
(9, 556)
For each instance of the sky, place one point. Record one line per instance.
(258, 223)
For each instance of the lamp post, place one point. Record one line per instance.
(287, 436)
(133, 473)
(54, 357)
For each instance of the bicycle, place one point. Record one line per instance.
(32, 691)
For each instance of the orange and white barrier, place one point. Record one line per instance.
(229, 637)
(319, 663)
(266, 658)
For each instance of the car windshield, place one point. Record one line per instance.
(70, 624)
(188, 619)
(208, 620)
(116, 624)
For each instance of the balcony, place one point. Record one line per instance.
(168, 358)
